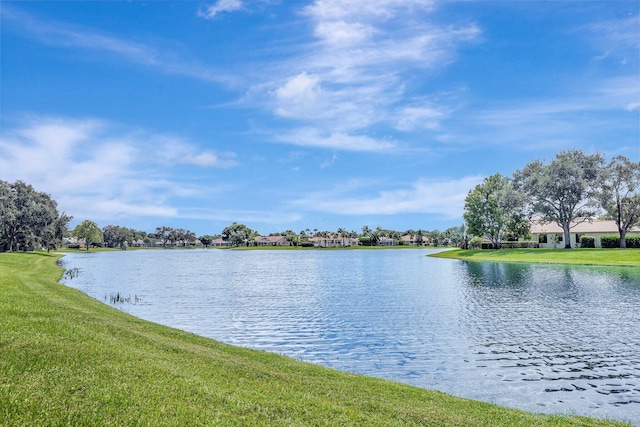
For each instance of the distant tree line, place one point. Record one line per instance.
(114, 236)
(572, 188)
(30, 219)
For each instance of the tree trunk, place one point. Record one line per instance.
(567, 236)
(623, 239)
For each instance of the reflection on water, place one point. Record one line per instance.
(566, 334)
(542, 338)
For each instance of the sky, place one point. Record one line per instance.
(320, 114)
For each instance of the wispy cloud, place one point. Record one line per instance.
(310, 137)
(101, 169)
(354, 75)
(441, 197)
(567, 120)
(615, 34)
(174, 150)
(210, 11)
(65, 35)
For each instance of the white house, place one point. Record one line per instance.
(334, 241)
(550, 235)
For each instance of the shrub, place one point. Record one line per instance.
(366, 241)
(306, 244)
(74, 246)
(475, 243)
(633, 242)
(614, 241)
(525, 244)
(610, 241)
(587, 242)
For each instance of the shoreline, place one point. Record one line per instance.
(71, 359)
(576, 257)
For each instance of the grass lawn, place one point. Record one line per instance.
(67, 359)
(613, 257)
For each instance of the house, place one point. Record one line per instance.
(219, 243)
(387, 241)
(334, 241)
(272, 241)
(412, 240)
(551, 235)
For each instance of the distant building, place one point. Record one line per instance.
(272, 241)
(334, 241)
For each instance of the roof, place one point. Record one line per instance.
(271, 239)
(593, 226)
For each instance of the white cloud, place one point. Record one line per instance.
(577, 115)
(341, 9)
(208, 158)
(341, 33)
(300, 94)
(440, 197)
(355, 75)
(309, 137)
(96, 169)
(175, 151)
(419, 117)
(219, 6)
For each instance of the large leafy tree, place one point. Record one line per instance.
(182, 237)
(238, 234)
(117, 236)
(29, 217)
(563, 190)
(206, 240)
(162, 234)
(494, 208)
(619, 194)
(89, 232)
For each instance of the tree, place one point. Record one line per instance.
(455, 235)
(117, 236)
(562, 191)
(238, 234)
(89, 232)
(435, 237)
(494, 208)
(188, 237)
(619, 194)
(162, 234)
(53, 234)
(29, 217)
(206, 240)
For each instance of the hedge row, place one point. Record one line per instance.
(614, 242)
(519, 245)
(587, 242)
(505, 245)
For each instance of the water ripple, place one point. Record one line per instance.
(541, 338)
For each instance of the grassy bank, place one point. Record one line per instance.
(612, 257)
(67, 359)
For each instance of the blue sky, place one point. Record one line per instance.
(305, 114)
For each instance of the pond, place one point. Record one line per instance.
(550, 339)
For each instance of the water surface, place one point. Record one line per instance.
(551, 339)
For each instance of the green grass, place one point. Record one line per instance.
(612, 257)
(67, 359)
